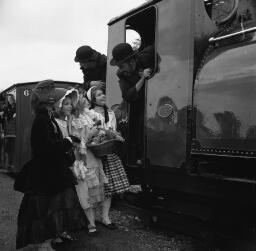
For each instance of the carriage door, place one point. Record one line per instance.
(24, 122)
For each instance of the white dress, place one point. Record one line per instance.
(91, 189)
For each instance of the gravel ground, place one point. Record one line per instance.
(132, 232)
(154, 239)
(9, 203)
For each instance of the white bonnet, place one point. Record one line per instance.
(68, 92)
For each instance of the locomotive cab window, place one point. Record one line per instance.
(140, 34)
(133, 38)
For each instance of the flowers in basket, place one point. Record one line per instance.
(102, 135)
(103, 141)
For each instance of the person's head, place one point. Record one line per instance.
(66, 107)
(86, 57)
(124, 58)
(10, 99)
(66, 102)
(96, 95)
(126, 68)
(43, 96)
(89, 65)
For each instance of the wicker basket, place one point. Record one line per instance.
(104, 148)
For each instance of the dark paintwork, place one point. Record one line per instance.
(224, 97)
(208, 187)
(166, 138)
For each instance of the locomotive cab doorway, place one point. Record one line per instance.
(140, 34)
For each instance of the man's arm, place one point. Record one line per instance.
(131, 93)
(143, 76)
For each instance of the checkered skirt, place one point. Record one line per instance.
(117, 179)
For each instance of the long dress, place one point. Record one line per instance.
(50, 204)
(90, 190)
(117, 179)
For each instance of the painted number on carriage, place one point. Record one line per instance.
(26, 93)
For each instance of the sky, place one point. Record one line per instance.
(39, 37)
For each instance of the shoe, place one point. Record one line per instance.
(65, 237)
(111, 226)
(138, 162)
(92, 230)
(56, 244)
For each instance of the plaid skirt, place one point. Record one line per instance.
(117, 179)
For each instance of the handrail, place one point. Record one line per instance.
(213, 39)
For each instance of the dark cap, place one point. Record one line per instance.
(121, 53)
(45, 86)
(85, 53)
(43, 94)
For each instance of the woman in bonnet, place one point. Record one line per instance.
(112, 165)
(50, 207)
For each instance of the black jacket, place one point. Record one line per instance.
(144, 59)
(96, 73)
(49, 168)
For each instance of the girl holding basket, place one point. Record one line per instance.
(117, 179)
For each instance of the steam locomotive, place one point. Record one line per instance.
(199, 130)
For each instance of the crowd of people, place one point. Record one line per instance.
(64, 182)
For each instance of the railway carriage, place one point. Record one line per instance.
(22, 124)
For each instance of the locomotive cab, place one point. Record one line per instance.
(166, 26)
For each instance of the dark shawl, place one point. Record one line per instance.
(49, 167)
